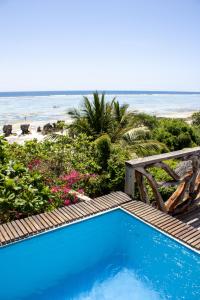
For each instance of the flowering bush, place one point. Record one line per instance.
(37, 177)
(68, 186)
(34, 164)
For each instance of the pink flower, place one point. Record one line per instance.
(50, 200)
(36, 162)
(67, 202)
(66, 190)
(55, 189)
(80, 191)
(71, 178)
(75, 199)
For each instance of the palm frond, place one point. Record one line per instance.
(150, 147)
(135, 134)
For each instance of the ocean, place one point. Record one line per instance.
(46, 106)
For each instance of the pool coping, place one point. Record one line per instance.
(159, 230)
(22, 229)
(164, 223)
(19, 230)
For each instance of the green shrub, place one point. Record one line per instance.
(142, 119)
(103, 147)
(21, 193)
(175, 133)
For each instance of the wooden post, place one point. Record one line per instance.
(130, 181)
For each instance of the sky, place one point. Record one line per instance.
(99, 45)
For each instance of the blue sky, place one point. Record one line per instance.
(99, 44)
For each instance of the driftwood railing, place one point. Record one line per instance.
(188, 184)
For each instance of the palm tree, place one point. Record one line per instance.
(98, 116)
(121, 120)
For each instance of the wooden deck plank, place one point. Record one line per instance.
(5, 237)
(147, 213)
(89, 208)
(64, 217)
(14, 232)
(177, 229)
(57, 215)
(165, 222)
(77, 213)
(64, 212)
(194, 239)
(17, 229)
(159, 218)
(37, 226)
(117, 198)
(52, 216)
(23, 229)
(82, 210)
(52, 219)
(2, 240)
(25, 224)
(105, 203)
(161, 221)
(140, 210)
(109, 201)
(67, 212)
(41, 222)
(46, 220)
(74, 215)
(31, 226)
(192, 232)
(8, 231)
(99, 206)
(132, 204)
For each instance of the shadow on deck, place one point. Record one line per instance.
(191, 217)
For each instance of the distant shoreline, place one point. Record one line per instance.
(39, 108)
(20, 139)
(89, 92)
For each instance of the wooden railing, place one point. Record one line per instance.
(188, 185)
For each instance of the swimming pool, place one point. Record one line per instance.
(110, 256)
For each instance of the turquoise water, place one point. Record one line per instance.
(47, 106)
(111, 256)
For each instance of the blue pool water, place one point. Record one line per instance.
(111, 256)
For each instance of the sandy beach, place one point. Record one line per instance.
(18, 137)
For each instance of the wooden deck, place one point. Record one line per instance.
(20, 229)
(23, 228)
(192, 217)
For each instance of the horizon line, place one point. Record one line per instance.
(100, 90)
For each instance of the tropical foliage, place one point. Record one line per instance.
(88, 158)
(175, 133)
(98, 116)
